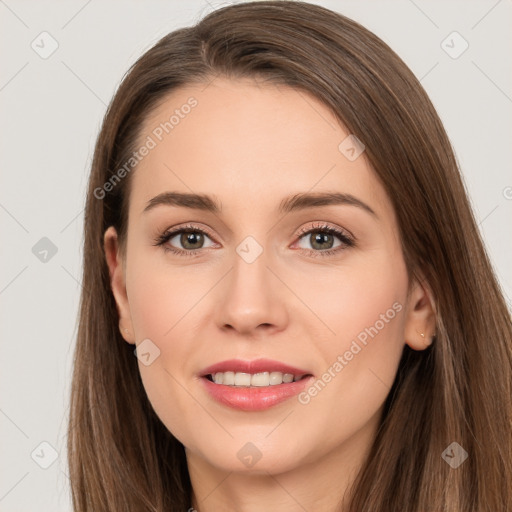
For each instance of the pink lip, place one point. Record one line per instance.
(253, 398)
(256, 366)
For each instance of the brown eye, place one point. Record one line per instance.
(184, 241)
(191, 240)
(321, 241)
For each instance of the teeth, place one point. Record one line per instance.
(242, 379)
(255, 380)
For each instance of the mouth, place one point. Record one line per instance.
(254, 385)
(257, 373)
(254, 392)
(254, 380)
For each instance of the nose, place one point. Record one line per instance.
(253, 299)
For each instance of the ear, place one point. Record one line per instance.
(116, 267)
(420, 320)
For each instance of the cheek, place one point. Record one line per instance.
(349, 299)
(162, 297)
(364, 306)
(164, 305)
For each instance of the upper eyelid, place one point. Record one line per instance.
(179, 229)
(325, 226)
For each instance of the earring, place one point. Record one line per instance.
(422, 334)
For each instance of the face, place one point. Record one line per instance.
(317, 284)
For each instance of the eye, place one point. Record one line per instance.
(191, 239)
(322, 237)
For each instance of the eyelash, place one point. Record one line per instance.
(346, 240)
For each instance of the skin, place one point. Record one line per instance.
(250, 145)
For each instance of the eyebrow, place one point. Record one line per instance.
(293, 203)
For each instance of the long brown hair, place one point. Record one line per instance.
(122, 457)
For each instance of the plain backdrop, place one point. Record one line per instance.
(51, 109)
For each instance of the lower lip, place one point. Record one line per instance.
(254, 398)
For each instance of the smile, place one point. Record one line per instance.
(262, 379)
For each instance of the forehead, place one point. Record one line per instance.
(248, 144)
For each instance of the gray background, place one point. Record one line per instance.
(51, 113)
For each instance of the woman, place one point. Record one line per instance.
(277, 228)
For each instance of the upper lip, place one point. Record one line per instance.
(255, 366)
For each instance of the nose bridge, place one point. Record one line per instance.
(249, 280)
